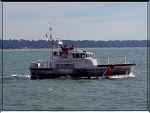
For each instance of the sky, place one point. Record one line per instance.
(0, 21)
(76, 20)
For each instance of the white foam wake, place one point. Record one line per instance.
(21, 75)
(131, 75)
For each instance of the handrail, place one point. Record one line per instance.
(112, 59)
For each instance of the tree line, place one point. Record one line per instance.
(20, 44)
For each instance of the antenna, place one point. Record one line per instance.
(50, 29)
(52, 43)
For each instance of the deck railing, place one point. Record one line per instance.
(112, 60)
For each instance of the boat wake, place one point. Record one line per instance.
(131, 75)
(21, 76)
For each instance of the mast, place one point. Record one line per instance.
(51, 42)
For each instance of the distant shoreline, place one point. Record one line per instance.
(26, 49)
(43, 44)
(47, 49)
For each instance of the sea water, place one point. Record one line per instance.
(21, 93)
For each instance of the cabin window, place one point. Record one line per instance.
(83, 55)
(75, 55)
(79, 55)
(55, 53)
(89, 55)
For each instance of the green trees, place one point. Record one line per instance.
(19, 44)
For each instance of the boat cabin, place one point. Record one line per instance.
(74, 54)
(82, 54)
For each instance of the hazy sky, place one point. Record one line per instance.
(76, 20)
(0, 21)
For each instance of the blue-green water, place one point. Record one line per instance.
(21, 93)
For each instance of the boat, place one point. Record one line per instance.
(71, 62)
